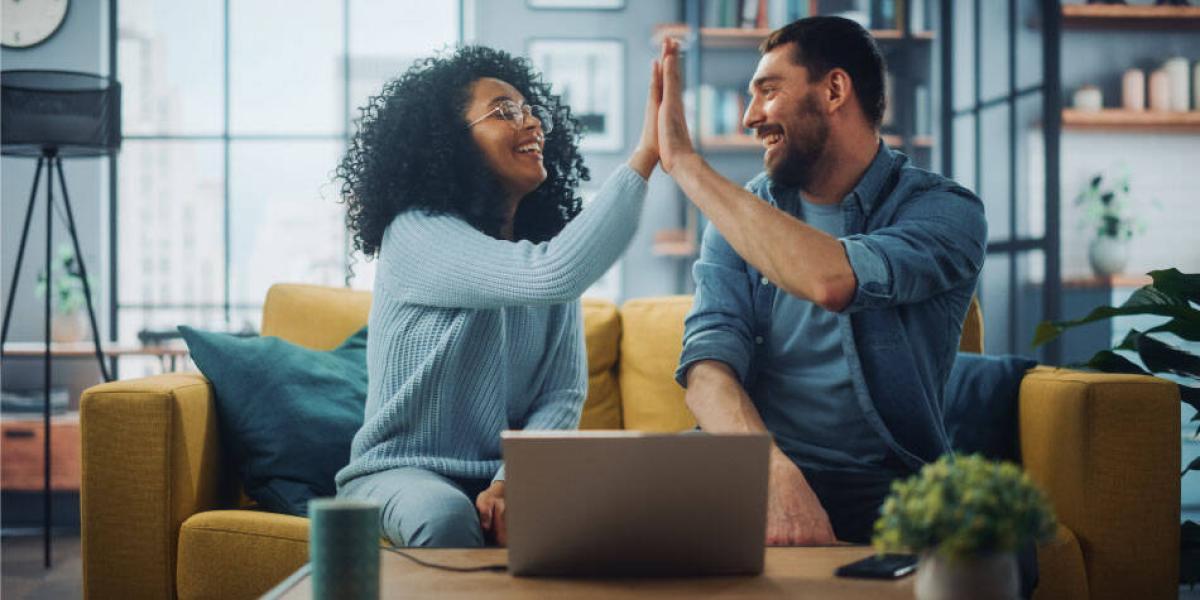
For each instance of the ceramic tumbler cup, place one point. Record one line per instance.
(1177, 82)
(1196, 86)
(343, 549)
(1160, 91)
(1133, 90)
(1088, 98)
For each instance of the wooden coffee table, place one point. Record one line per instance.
(789, 572)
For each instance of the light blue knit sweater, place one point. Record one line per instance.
(471, 335)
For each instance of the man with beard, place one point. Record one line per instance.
(830, 291)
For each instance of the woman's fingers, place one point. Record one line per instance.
(485, 505)
(501, 524)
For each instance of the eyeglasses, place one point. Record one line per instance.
(509, 110)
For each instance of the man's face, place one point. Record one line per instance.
(786, 114)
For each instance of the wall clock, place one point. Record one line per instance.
(30, 22)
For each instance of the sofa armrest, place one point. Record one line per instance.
(151, 459)
(1106, 448)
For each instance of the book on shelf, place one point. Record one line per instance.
(720, 110)
(773, 14)
(752, 14)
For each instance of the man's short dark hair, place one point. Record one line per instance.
(826, 43)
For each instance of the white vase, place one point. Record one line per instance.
(991, 577)
(69, 327)
(1108, 255)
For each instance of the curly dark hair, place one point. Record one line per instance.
(412, 150)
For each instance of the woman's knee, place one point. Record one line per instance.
(451, 524)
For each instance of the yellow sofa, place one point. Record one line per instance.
(163, 515)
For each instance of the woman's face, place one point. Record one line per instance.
(514, 153)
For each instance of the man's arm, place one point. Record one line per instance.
(801, 260)
(721, 405)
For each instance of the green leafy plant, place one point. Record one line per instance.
(68, 282)
(1109, 209)
(963, 506)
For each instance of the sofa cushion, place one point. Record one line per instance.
(651, 341)
(287, 413)
(314, 316)
(238, 553)
(602, 330)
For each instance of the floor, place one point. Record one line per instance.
(23, 576)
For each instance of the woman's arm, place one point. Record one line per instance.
(443, 261)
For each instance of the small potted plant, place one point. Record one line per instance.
(1106, 199)
(966, 516)
(67, 323)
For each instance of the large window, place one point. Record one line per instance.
(236, 114)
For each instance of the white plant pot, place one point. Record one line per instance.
(992, 577)
(69, 327)
(1108, 255)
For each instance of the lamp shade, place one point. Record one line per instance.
(74, 114)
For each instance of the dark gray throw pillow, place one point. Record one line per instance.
(980, 404)
(287, 413)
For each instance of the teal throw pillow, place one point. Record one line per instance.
(287, 413)
(980, 404)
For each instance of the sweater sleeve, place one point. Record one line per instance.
(443, 261)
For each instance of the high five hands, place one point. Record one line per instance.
(674, 141)
(665, 136)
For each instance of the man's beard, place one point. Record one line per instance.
(804, 149)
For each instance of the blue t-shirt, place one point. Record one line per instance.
(804, 391)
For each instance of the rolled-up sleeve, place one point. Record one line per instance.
(938, 240)
(719, 326)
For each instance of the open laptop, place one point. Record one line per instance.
(630, 503)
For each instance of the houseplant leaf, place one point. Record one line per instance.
(1147, 300)
(1182, 285)
(1160, 357)
(1111, 362)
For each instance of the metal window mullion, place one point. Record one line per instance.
(1052, 125)
(225, 167)
(1012, 162)
(346, 241)
(946, 41)
(113, 196)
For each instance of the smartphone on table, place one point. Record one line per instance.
(880, 566)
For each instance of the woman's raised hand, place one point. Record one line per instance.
(645, 156)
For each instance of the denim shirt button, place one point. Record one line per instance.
(764, 281)
(758, 339)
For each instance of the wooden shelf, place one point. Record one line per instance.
(733, 37)
(1130, 120)
(674, 242)
(1112, 281)
(1117, 15)
(739, 142)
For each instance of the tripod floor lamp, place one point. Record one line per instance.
(49, 115)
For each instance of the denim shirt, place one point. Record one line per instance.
(916, 242)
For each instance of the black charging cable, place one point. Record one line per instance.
(489, 568)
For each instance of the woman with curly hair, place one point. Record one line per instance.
(462, 181)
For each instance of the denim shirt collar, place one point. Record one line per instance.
(872, 187)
